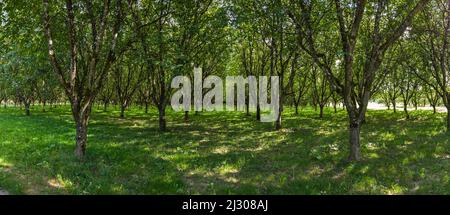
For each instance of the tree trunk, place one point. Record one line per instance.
(122, 111)
(105, 106)
(434, 109)
(43, 106)
(321, 111)
(296, 109)
(258, 113)
(355, 152)
(162, 118)
(186, 116)
(278, 125)
(146, 107)
(27, 108)
(81, 137)
(405, 108)
(448, 119)
(394, 106)
(247, 110)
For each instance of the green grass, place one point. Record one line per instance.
(223, 153)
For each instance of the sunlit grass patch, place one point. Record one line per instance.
(223, 153)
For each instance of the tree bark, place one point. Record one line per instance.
(355, 153)
(448, 119)
(105, 106)
(162, 118)
(258, 113)
(81, 137)
(405, 108)
(247, 110)
(278, 125)
(321, 111)
(394, 106)
(122, 111)
(186, 116)
(27, 108)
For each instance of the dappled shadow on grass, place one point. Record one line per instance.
(308, 160)
(39, 150)
(224, 153)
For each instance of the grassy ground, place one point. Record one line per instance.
(223, 153)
